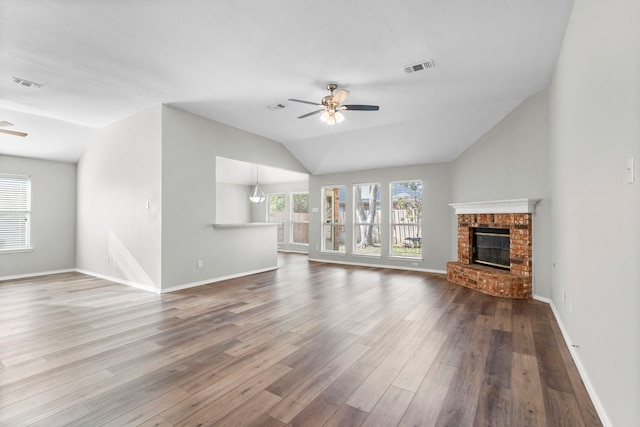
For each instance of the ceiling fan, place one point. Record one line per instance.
(332, 106)
(10, 132)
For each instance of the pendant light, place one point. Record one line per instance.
(257, 195)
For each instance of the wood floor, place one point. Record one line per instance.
(308, 344)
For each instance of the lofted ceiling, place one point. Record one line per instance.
(99, 61)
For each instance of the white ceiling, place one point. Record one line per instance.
(102, 60)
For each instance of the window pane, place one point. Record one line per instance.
(366, 230)
(333, 237)
(276, 213)
(406, 218)
(300, 218)
(15, 205)
(333, 209)
(300, 233)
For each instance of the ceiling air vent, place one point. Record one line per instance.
(274, 107)
(420, 66)
(27, 83)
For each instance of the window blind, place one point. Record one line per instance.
(15, 211)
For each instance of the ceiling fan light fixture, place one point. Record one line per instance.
(339, 117)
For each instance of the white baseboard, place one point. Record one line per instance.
(395, 267)
(40, 273)
(586, 379)
(217, 279)
(120, 281)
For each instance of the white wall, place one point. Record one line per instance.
(595, 128)
(436, 215)
(190, 145)
(511, 161)
(53, 217)
(119, 172)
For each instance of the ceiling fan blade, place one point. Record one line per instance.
(340, 96)
(311, 113)
(305, 102)
(5, 123)
(13, 132)
(361, 107)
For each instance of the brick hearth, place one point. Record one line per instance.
(515, 283)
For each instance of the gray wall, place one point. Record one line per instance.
(232, 203)
(595, 116)
(118, 174)
(190, 145)
(53, 217)
(511, 161)
(436, 215)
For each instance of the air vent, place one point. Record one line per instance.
(274, 107)
(420, 66)
(27, 83)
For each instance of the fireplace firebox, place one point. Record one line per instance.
(491, 246)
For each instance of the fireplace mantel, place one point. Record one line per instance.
(496, 207)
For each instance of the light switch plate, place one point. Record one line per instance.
(631, 170)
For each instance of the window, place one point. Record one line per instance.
(333, 203)
(300, 218)
(276, 213)
(15, 212)
(366, 230)
(406, 218)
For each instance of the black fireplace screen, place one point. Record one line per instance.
(491, 247)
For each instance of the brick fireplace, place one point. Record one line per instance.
(512, 281)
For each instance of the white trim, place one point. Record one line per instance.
(16, 250)
(216, 279)
(496, 207)
(120, 281)
(586, 379)
(41, 273)
(395, 267)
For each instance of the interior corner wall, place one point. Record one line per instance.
(436, 218)
(511, 161)
(595, 129)
(119, 202)
(190, 144)
(53, 217)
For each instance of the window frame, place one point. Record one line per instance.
(393, 224)
(280, 223)
(293, 223)
(331, 222)
(356, 227)
(24, 213)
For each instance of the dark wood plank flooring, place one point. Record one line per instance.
(308, 344)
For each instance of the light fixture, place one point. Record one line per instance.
(331, 117)
(257, 195)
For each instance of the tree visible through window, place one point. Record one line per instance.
(366, 229)
(15, 212)
(406, 218)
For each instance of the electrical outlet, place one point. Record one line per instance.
(200, 263)
(415, 264)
